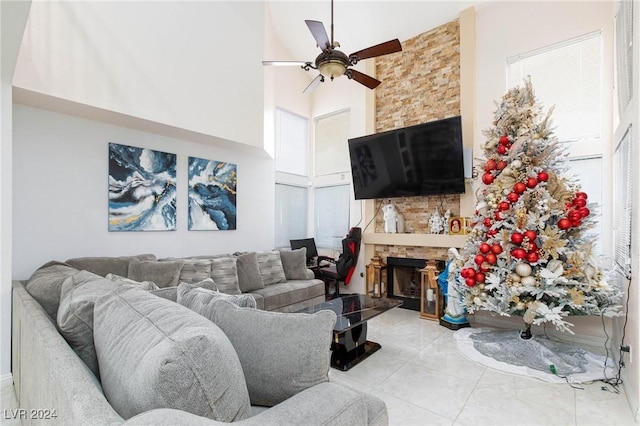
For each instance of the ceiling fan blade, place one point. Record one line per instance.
(316, 81)
(284, 63)
(385, 48)
(363, 79)
(319, 33)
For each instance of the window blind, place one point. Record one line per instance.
(624, 53)
(567, 75)
(622, 204)
(331, 146)
(291, 214)
(331, 208)
(292, 141)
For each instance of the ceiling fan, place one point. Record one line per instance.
(332, 63)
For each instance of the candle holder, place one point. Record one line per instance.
(377, 277)
(431, 302)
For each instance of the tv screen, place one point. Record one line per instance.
(425, 159)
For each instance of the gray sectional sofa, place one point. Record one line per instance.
(111, 341)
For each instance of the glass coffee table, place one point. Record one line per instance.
(350, 345)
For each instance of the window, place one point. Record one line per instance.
(567, 75)
(331, 147)
(331, 215)
(291, 214)
(591, 183)
(292, 142)
(622, 203)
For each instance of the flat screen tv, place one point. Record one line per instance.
(425, 159)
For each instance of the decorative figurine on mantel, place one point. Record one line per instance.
(445, 221)
(393, 220)
(435, 221)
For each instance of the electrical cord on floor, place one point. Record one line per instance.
(552, 368)
(616, 381)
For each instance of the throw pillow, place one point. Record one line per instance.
(199, 299)
(145, 285)
(270, 266)
(249, 277)
(154, 353)
(165, 274)
(225, 274)
(281, 354)
(75, 315)
(105, 265)
(294, 263)
(169, 293)
(45, 285)
(193, 270)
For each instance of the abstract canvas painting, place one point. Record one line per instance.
(212, 195)
(142, 189)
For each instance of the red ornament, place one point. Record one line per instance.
(582, 195)
(502, 149)
(513, 197)
(501, 164)
(531, 235)
(533, 246)
(496, 249)
(471, 273)
(498, 216)
(463, 272)
(484, 248)
(470, 282)
(576, 223)
(487, 178)
(517, 238)
(532, 182)
(543, 176)
(503, 205)
(492, 232)
(519, 188)
(491, 258)
(491, 165)
(518, 253)
(480, 277)
(574, 215)
(584, 212)
(487, 222)
(532, 257)
(580, 202)
(504, 140)
(564, 224)
(479, 259)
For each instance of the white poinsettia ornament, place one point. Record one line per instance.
(528, 253)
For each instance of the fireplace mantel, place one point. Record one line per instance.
(415, 240)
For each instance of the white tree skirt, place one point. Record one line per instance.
(505, 350)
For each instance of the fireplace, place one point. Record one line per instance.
(403, 280)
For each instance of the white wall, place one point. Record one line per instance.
(193, 65)
(60, 193)
(13, 17)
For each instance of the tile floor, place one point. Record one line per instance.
(424, 380)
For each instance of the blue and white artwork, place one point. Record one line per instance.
(212, 195)
(142, 189)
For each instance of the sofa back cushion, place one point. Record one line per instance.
(154, 353)
(107, 265)
(281, 354)
(199, 299)
(45, 285)
(270, 266)
(193, 270)
(164, 274)
(75, 314)
(294, 263)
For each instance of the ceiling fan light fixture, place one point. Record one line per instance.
(332, 68)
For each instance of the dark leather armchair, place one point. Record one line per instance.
(334, 271)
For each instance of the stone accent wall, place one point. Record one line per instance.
(419, 85)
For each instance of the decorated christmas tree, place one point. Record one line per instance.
(529, 252)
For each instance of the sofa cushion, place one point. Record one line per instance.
(225, 274)
(249, 277)
(284, 294)
(169, 293)
(105, 265)
(270, 266)
(294, 263)
(154, 353)
(193, 270)
(281, 354)
(164, 274)
(145, 285)
(45, 285)
(75, 315)
(199, 299)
